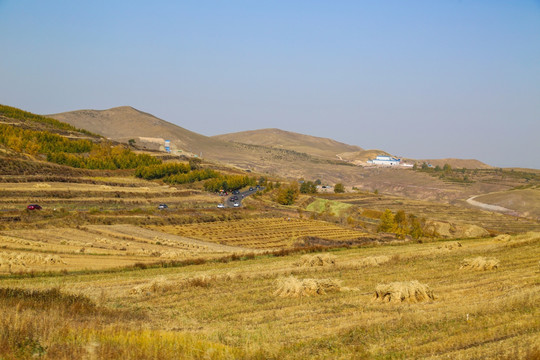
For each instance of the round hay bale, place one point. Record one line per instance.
(408, 291)
(479, 263)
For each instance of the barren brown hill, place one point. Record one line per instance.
(360, 157)
(456, 163)
(124, 123)
(525, 202)
(280, 139)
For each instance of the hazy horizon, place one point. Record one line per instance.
(448, 79)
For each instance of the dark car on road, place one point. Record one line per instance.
(33, 207)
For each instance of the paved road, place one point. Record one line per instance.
(490, 207)
(242, 194)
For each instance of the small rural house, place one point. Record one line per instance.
(385, 160)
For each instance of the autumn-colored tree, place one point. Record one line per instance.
(308, 187)
(401, 225)
(287, 195)
(339, 188)
(387, 221)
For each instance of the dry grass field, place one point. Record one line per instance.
(237, 309)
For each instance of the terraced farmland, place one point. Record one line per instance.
(107, 194)
(97, 247)
(265, 233)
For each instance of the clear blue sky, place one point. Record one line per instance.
(421, 79)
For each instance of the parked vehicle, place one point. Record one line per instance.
(162, 206)
(33, 207)
(236, 204)
(221, 206)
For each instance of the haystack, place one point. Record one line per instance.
(293, 287)
(409, 291)
(373, 260)
(502, 237)
(450, 246)
(479, 263)
(316, 260)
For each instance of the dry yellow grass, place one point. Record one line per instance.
(373, 260)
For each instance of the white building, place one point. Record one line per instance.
(385, 160)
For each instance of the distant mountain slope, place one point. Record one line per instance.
(280, 139)
(124, 123)
(361, 157)
(457, 163)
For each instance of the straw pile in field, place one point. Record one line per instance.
(316, 260)
(373, 260)
(171, 254)
(24, 259)
(293, 287)
(450, 246)
(160, 285)
(42, 185)
(408, 291)
(479, 263)
(502, 237)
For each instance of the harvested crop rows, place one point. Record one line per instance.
(95, 246)
(265, 233)
(269, 307)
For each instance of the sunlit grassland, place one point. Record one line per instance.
(232, 307)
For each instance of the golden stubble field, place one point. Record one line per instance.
(238, 310)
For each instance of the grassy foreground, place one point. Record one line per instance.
(232, 310)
